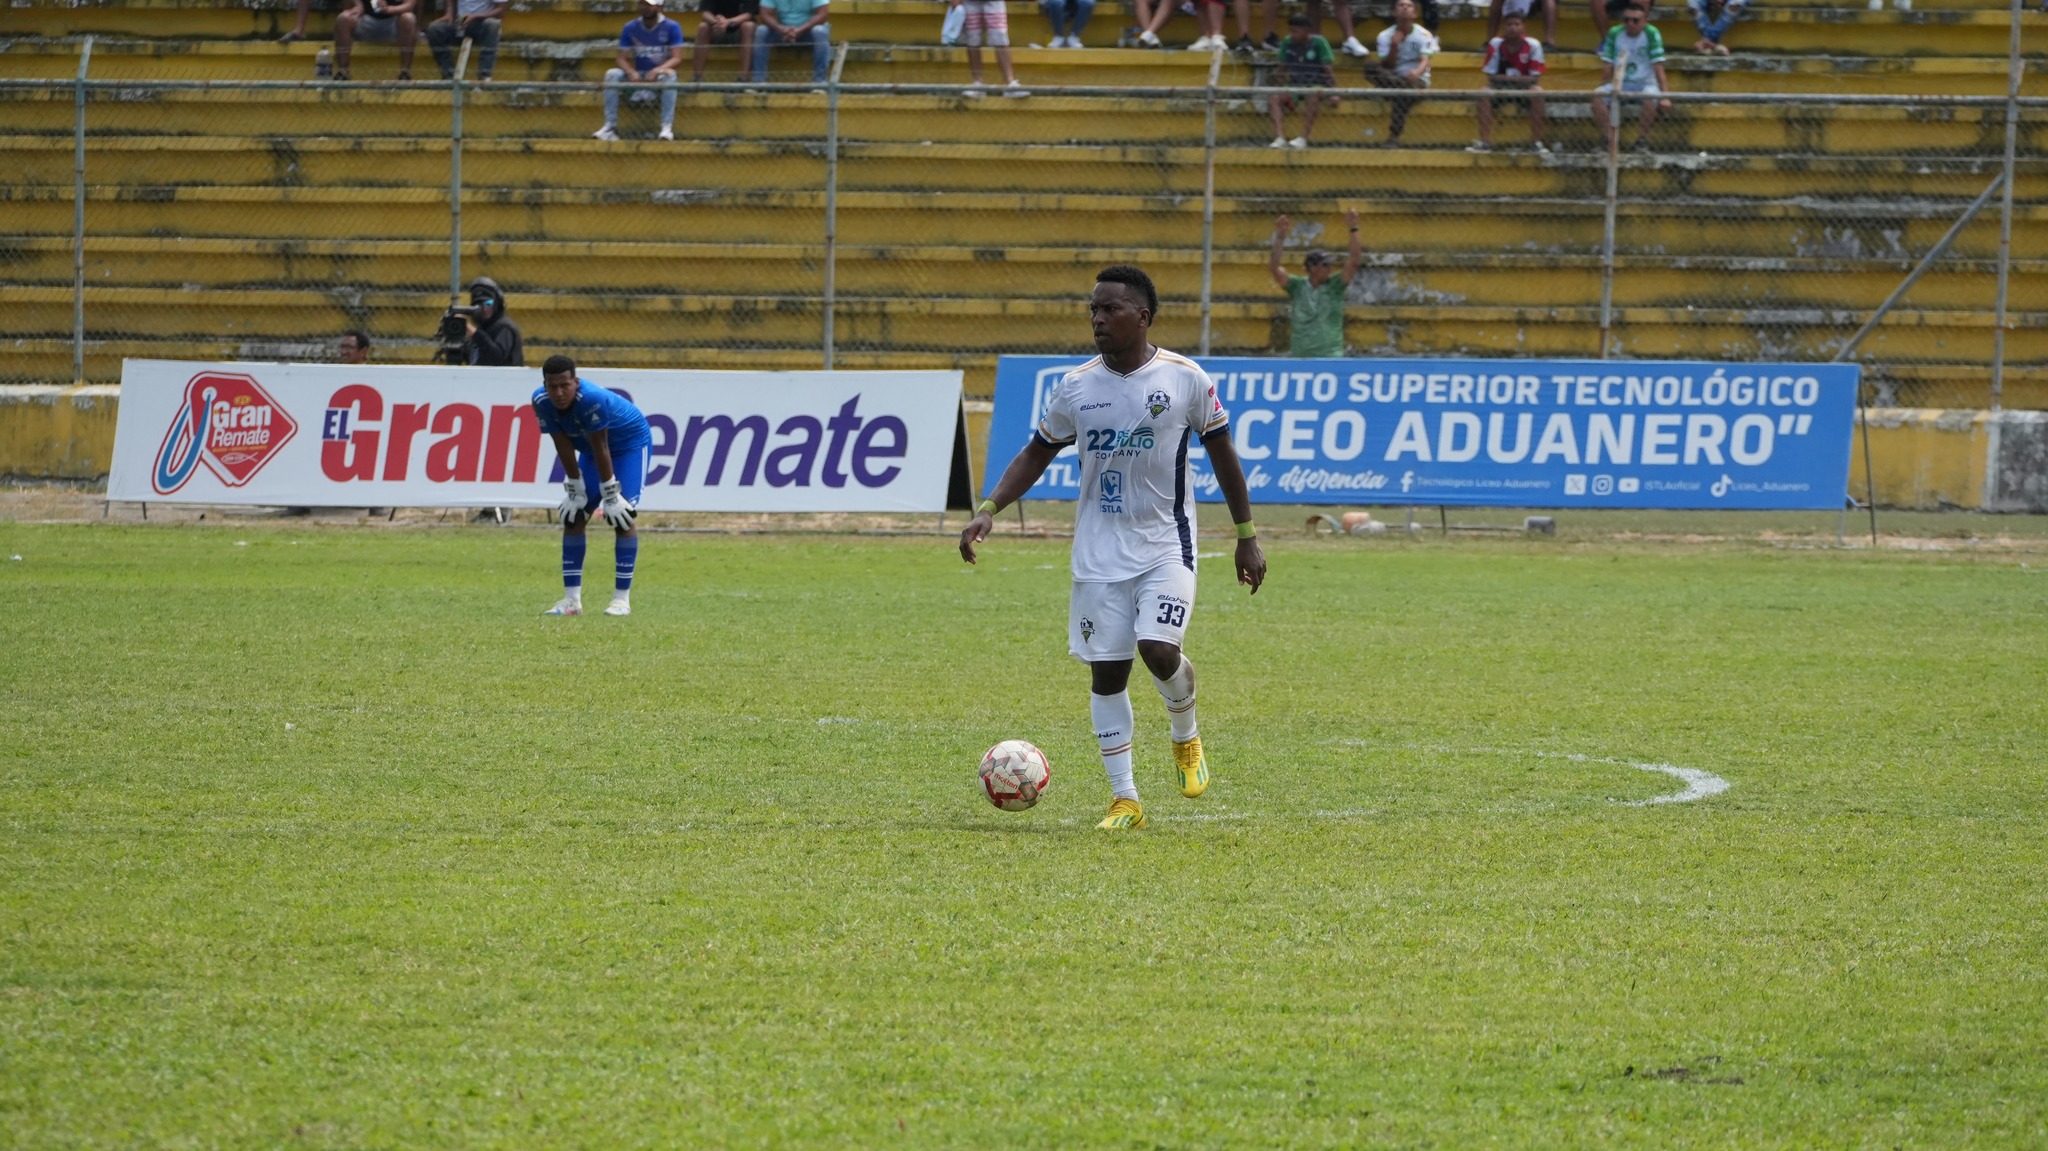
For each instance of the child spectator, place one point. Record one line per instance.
(1404, 52)
(1714, 18)
(1632, 62)
(1306, 65)
(1513, 63)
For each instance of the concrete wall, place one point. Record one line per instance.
(1923, 458)
(1929, 459)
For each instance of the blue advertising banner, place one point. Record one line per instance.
(1499, 433)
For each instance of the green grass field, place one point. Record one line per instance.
(321, 836)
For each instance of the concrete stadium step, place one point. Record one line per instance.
(1934, 385)
(1387, 276)
(1850, 227)
(1045, 70)
(1952, 27)
(527, 114)
(1052, 169)
(940, 324)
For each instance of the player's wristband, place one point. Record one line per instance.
(1247, 530)
(988, 506)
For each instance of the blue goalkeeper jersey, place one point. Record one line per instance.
(595, 410)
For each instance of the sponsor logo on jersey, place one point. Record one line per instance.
(1158, 402)
(229, 423)
(1116, 441)
(1112, 491)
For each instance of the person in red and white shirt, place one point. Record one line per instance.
(1513, 63)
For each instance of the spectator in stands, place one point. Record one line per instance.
(1404, 52)
(1315, 301)
(1607, 13)
(792, 23)
(377, 22)
(1305, 65)
(987, 20)
(493, 340)
(478, 20)
(1714, 18)
(1068, 18)
(1153, 15)
(353, 347)
(725, 22)
(298, 31)
(1341, 9)
(1513, 63)
(650, 51)
(1632, 60)
(1500, 10)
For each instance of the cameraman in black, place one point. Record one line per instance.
(480, 334)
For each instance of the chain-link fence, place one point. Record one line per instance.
(796, 222)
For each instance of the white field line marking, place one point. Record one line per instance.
(1698, 784)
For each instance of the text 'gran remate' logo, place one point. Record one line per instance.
(228, 421)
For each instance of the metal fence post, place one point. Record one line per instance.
(2014, 65)
(455, 174)
(1209, 197)
(78, 220)
(832, 197)
(1613, 189)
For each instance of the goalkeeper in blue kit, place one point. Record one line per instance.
(603, 442)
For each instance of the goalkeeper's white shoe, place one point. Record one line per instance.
(565, 606)
(619, 606)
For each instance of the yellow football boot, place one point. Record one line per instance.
(1124, 815)
(1193, 765)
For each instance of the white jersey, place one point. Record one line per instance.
(1133, 433)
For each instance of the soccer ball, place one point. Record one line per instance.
(1014, 774)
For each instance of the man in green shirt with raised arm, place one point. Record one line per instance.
(1316, 299)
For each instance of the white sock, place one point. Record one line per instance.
(1112, 716)
(1179, 694)
(622, 597)
(574, 595)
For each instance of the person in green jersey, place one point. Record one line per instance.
(1315, 298)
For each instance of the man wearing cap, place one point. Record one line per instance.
(1316, 299)
(650, 51)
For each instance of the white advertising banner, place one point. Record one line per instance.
(337, 435)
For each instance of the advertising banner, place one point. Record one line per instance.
(1500, 433)
(314, 435)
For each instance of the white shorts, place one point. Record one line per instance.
(984, 22)
(373, 29)
(1105, 621)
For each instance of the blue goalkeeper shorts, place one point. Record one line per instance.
(628, 467)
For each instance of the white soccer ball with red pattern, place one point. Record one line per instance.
(1014, 774)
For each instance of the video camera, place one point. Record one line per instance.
(453, 334)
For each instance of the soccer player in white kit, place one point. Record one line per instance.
(1133, 412)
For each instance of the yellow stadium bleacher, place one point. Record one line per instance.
(262, 220)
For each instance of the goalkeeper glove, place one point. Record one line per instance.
(617, 511)
(572, 503)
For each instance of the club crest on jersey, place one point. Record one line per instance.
(1111, 489)
(1158, 402)
(1087, 629)
(227, 422)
